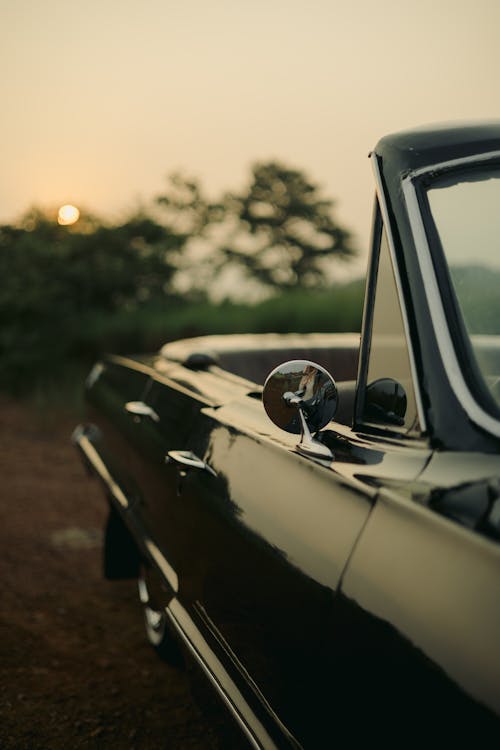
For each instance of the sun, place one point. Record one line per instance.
(67, 215)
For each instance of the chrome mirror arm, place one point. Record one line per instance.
(308, 445)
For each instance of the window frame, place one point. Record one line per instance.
(379, 228)
(414, 187)
(461, 340)
(381, 221)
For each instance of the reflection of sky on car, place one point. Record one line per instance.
(272, 503)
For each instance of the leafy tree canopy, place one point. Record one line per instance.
(184, 208)
(279, 233)
(292, 229)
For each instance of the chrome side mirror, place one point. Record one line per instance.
(301, 397)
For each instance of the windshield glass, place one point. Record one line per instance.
(465, 207)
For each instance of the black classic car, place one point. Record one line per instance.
(328, 553)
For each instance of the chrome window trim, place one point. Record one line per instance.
(451, 164)
(433, 295)
(392, 252)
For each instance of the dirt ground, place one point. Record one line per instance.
(75, 669)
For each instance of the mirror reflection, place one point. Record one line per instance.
(300, 386)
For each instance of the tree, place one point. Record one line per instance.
(185, 210)
(193, 219)
(278, 234)
(285, 234)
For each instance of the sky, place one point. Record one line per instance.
(102, 99)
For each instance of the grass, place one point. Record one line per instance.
(51, 374)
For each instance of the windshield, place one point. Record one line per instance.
(465, 207)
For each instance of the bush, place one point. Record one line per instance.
(69, 295)
(148, 328)
(52, 278)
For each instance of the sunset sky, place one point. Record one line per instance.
(102, 99)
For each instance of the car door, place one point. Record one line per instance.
(259, 537)
(265, 540)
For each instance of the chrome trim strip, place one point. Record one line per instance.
(462, 161)
(84, 444)
(163, 565)
(435, 304)
(93, 457)
(241, 669)
(390, 241)
(218, 676)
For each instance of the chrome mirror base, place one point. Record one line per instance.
(315, 449)
(308, 446)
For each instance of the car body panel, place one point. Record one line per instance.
(429, 589)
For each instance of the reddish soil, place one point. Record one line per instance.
(75, 669)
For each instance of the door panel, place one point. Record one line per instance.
(266, 544)
(269, 537)
(421, 608)
(259, 543)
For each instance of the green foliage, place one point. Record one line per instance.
(145, 329)
(292, 227)
(280, 232)
(69, 293)
(185, 209)
(52, 277)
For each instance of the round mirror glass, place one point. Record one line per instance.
(300, 385)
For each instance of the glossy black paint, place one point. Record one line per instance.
(324, 599)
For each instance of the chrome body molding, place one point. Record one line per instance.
(97, 465)
(163, 565)
(434, 300)
(81, 440)
(213, 668)
(200, 610)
